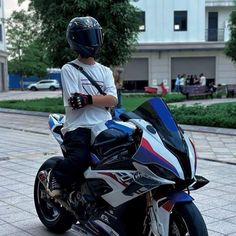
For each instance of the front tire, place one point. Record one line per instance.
(54, 217)
(187, 220)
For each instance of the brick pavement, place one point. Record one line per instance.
(24, 148)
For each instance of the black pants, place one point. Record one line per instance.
(77, 156)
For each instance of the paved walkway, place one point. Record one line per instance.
(26, 143)
(204, 102)
(24, 95)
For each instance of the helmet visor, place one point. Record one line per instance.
(91, 37)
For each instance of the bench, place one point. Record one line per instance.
(196, 90)
(231, 90)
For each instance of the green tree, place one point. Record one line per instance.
(33, 61)
(26, 52)
(117, 17)
(230, 48)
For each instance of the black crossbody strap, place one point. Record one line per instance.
(92, 81)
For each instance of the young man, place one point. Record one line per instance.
(84, 105)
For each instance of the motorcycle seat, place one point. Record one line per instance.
(108, 137)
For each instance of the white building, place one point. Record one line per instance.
(181, 37)
(3, 53)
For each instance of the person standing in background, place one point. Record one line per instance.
(182, 82)
(202, 79)
(196, 80)
(119, 87)
(177, 83)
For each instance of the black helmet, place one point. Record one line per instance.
(84, 35)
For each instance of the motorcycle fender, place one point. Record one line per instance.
(179, 197)
(173, 198)
(162, 210)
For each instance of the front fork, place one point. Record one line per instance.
(159, 210)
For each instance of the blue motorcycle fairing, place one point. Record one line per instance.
(55, 119)
(180, 197)
(51, 123)
(173, 198)
(115, 125)
(158, 114)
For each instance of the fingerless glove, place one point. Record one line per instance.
(79, 100)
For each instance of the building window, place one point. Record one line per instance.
(0, 33)
(180, 20)
(141, 17)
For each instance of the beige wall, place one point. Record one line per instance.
(160, 64)
(225, 70)
(3, 73)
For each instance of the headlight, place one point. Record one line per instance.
(162, 172)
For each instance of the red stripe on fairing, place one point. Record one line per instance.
(168, 206)
(113, 177)
(147, 145)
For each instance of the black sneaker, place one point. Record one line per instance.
(53, 187)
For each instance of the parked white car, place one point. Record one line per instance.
(50, 84)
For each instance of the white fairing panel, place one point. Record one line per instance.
(192, 155)
(56, 120)
(117, 180)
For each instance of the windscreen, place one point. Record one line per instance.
(158, 114)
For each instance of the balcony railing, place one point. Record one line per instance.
(219, 3)
(214, 35)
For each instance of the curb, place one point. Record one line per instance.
(206, 129)
(23, 112)
(192, 128)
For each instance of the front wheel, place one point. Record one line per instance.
(187, 220)
(51, 214)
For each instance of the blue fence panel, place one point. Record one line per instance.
(14, 81)
(19, 82)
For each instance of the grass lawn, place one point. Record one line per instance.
(53, 105)
(130, 102)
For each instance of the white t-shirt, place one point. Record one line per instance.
(203, 80)
(182, 81)
(73, 81)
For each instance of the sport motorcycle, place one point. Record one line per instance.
(141, 173)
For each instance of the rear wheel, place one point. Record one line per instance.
(33, 88)
(54, 217)
(186, 220)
